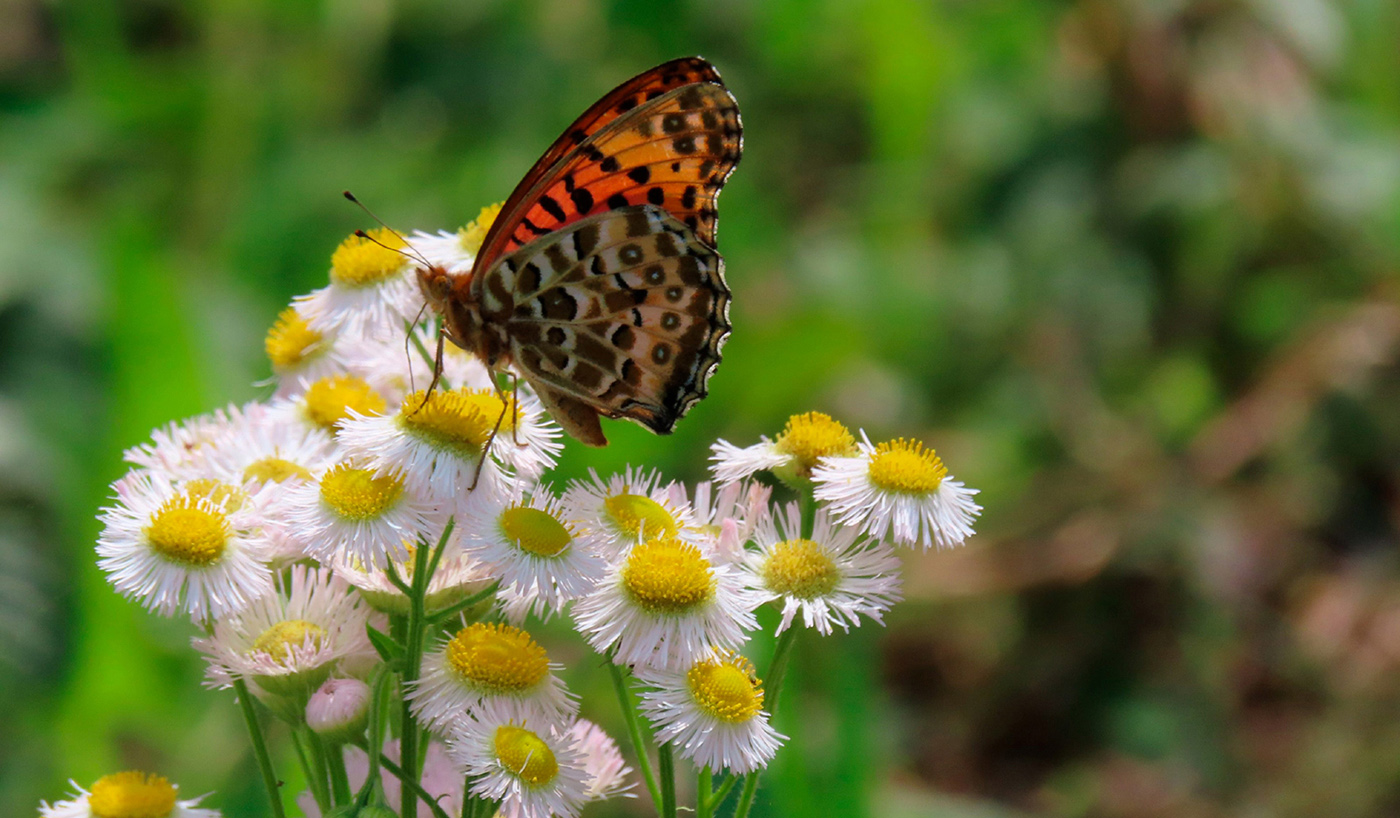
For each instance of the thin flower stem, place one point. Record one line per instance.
(378, 715)
(423, 566)
(441, 546)
(634, 729)
(314, 772)
(666, 768)
(457, 607)
(340, 780)
(717, 800)
(468, 800)
(269, 776)
(704, 792)
(409, 783)
(778, 666)
(321, 761)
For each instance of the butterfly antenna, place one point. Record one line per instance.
(415, 255)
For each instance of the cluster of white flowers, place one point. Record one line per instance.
(312, 535)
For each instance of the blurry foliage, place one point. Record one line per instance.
(1131, 265)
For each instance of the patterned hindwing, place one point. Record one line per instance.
(674, 152)
(625, 311)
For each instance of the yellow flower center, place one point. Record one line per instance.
(132, 794)
(291, 342)
(360, 262)
(536, 531)
(184, 532)
(497, 657)
(278, 640)
(474, 233)
(666, 575)
(800, 568)
(274, 470)
(906, 467)
(526, 755)
(330, 399)
(726, 689)
(360, 494)
(221, 494)
(810, 437)
(460, 420)
(637, 514)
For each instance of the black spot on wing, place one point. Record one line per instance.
(552, 207)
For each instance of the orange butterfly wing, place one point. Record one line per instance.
(668, 137)
(644, 87)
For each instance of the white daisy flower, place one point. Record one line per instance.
(300, 354)
(831, 578)
(177, 449)
(900, 491)
(445, 249)
(712, 712)
(326, 403)
(360, 512)
(490, 671)
(440, 779)
(602, 761)
(397, 365)
(664, 603)
(372, 292)
(289, 642)
(804, 441)
(130, 794)
(179, 550)
(727, 513)
(534, 551)
(616, 512)
(534, 771)
(437, 443)
(457, 577)
(257, 448)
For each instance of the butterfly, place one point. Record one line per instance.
(599, 281)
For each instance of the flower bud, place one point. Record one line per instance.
(337, 710)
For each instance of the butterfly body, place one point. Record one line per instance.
(599, 282)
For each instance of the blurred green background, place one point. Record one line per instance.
(1131, 265)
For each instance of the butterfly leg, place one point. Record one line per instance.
(486, 449)
(437, 376)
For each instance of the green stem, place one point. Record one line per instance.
(634, 729)
(722, 793)
(340, 780)
(457, 607)
(413, 661)
(269, 776)
(704, 792)
(320, 760)
(666, 768)
(378, 715)
(411, 784)
(776, 669)
(315, 774)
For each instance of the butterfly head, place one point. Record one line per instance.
(436, 284)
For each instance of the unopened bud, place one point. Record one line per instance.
(337, 710)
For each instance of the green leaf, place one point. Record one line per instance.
(389, 650)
